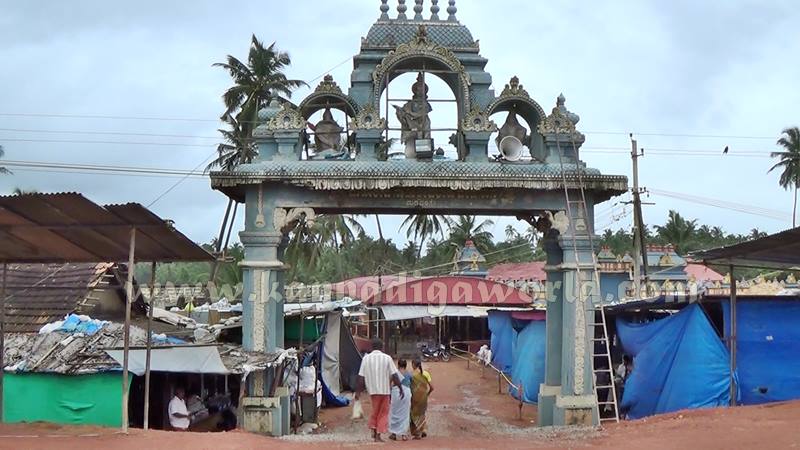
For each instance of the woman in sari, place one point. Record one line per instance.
(421, 389)
(400, 408)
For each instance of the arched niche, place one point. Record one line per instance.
(327, 96)
(515, 99)
(444, 114)
(423, 56)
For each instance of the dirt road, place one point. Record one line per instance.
(465, 412)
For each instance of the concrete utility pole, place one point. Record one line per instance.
(639, 265)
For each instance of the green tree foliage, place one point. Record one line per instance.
(3, 170)
(789, 164)
(465, 228)
(421, 227)
(684, 234)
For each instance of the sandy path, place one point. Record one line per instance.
(465, 412)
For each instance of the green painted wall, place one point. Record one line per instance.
(69, 399)
(311, 329)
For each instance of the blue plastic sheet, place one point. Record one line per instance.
(502, 340)
(767, 349)
(528, 360)
(74, 324)
(678, 362)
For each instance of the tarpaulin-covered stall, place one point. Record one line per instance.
(340, 359)
(518, 348)
(679, 362)
(768, 349)
(528, 354)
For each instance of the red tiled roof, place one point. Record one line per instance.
(451, 290)
(518, 271)
(702, 273)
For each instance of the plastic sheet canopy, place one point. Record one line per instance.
(767, 349)
(679, 362)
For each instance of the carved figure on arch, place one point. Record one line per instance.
(327, 133)
(413, 116)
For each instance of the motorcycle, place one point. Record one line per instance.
(439, 353)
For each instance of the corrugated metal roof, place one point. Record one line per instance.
(777, 251)
(67, 227)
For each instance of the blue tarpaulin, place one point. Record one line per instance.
(502, 339)
(678, 362)
(528, 360)
(767, 349)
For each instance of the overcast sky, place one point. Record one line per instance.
(680, 67)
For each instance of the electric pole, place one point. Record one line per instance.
(640, 249)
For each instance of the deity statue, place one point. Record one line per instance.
(413, 116)
(327, 133)
(512, 128)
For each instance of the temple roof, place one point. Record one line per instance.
(390, 32)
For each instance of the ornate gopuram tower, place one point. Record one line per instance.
(391, 159)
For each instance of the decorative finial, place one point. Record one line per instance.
(451, 11)
(561, 99)
(384, 9)
(417, 9)
(401, 10)
(434, 9)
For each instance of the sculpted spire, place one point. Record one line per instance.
(451, 11)
(434, 9)
(401, 9)
(417, 9)
(384, 10)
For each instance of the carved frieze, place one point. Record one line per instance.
(368, 119)
(478, 120)
(513, 91)
(420, 46)
(288, 118)
(283, 219)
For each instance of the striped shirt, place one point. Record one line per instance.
(377, 369)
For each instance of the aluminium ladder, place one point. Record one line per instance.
(598, 328)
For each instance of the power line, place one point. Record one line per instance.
(710, 136)
(747, 209)
(70, 141)
(111, 133)
(197, 119)
(181, 180)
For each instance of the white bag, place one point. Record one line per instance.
(358, 410)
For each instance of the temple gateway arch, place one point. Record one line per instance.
(289, 180)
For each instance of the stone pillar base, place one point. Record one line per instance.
(546, 404)
(575, 410)
(266, 415)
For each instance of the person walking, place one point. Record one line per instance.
(376, 375)
(400, 408)
(421, 389)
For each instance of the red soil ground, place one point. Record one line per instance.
(465, 412)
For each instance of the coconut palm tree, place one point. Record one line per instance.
(257, 82)
(789, 163)
(511, 232)
(3, 170)
(238, 147)
(467, 227)
(677, 231)
(424, 226)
